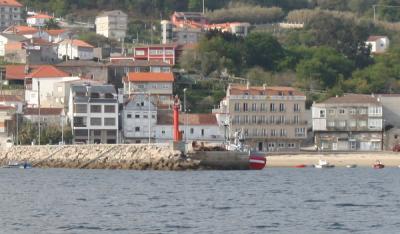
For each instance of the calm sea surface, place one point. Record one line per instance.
(273, 200)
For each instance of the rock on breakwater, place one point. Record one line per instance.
(137, 157)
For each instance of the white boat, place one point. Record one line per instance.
(23, 165)
(323, 164)
(351, 165)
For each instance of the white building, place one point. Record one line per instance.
(194, 127)
(38, 20)
(6, 38)
(93, 114)
(46, 77)
(112, 24)
(379, 44)
(75, 49)
(139, 118)
(56, 35)
(10, 13)
(14, 101)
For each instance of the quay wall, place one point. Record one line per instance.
(136, 157)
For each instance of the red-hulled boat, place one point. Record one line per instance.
(300, 166)
(257, 162)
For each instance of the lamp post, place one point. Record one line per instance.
(184, 109)
(62, 129)
(149, 117)
(39, 110)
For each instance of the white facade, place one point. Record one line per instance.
(205, 133)
(112, 24)
(47, 92)
(72, 51)
(379, 44)
(139, 118)
(37, 21)
(4, 39)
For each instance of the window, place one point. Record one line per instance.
(139, 52)
(255, 132)
(296, 119)
(246, 119)
(331, 111)
(153, 116)
(272, 107)
(79, 122)
(273, 132)
(342, 111)
(192, 131)
(254, 107)
(322, 113)
(137, 116)
(331, 124)
(352, 111)
(80, 108)
(109, 121)
(95, 121)
(352, 123)
(129, 116)
(272, 119)
(109, 109)
(362, 111)
(362, 123)
(245, 107)
(145, 116)
(291, 145)
(262, 107)
(253, 119)
(237, 107)
(95, 109)
(282, 107)
(296, 108)
(137, 129)
(300, 132)
(283, 132)
(342, 123)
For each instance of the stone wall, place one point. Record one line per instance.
(138, 157)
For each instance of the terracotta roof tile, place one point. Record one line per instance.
(12, 3)
(268, 90)
(77, 42)
(23, 30)
(10, 98)
(55, 32)
(151, 77)
(352, 99)
(374, 38)
(47, 71)
(41, 16)
(43, 111)
(166, 118)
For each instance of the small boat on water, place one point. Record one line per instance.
(20, 165)
(323, 164)
(351, 165)
(300, 166)
(378, 165)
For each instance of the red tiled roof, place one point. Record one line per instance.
(55, 32)
(7, 108)
(40, 41)
(166, 118)
(268, 90)
(151, 77)
(352, 99)
(374, 38)
(77, 42)
(23, 30)
(12, 3)
(43, 111)
(47, 71)
(15, 72)
(10, 98)
(41, 16)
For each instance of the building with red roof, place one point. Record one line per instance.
(38, 20)
(10, 13)
(41, 86)
(75, 49)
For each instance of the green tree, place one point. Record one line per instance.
(262, 49)
(52, 24)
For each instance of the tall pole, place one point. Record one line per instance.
(374, 7)
(204, 9)
(184, 109)
(39, 109)
(88, 120)
(62, 129)
(149, 118)
(17, 126)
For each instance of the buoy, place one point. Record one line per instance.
(257, 162)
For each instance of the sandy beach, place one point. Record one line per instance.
(389, 159)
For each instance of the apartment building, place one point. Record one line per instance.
(269, 118)
(157, 84)
(139, 118)
(112, 24)
(348, 123)
(166, 53)
(10, 13)
(38, 20)
(93, 114)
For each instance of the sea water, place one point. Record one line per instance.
(339, 200)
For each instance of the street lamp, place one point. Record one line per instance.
(184, 109)
(62, 128)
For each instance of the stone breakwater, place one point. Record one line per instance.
(135, 157)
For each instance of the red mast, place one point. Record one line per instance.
(177, 107)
